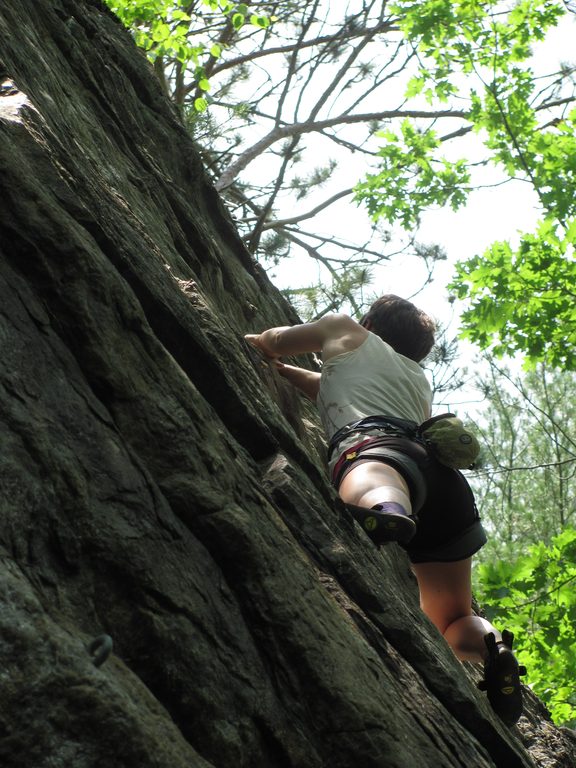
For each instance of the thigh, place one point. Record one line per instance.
(445, 590)
(365, 476)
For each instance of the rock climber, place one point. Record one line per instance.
(371, 395)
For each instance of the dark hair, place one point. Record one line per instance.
(407, 329)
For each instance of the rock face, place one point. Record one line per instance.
(159, 486)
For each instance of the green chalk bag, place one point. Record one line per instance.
(451, 441)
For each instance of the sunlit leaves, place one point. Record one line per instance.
(166, 28)
(534, 596)
(412, 177)
(519, 300)
(464, 32)
(260, 21)
(160, 27)
(522, 300)
(486, 43)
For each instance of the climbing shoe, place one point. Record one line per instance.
(385, 522)
(502, 678)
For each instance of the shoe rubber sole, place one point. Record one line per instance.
(383, 527)
(502, 678)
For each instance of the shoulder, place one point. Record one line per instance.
(337, 322)
(341, 334)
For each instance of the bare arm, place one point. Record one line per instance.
(305, 380)
(288, 340)
(331, 335)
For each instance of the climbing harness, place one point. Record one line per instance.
(389, 425)
(448, 439)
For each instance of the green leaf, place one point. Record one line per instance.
(178, 15)
(538, 616)
(259, 21)
(160, 32)
(415, 86)
(571, 232)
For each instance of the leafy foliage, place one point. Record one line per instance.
(534, 596)
(412, 178)
(464, 32)
(520, 299)
(525, 494)
(472, 51)
(165, 28)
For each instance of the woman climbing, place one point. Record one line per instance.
(371, 395)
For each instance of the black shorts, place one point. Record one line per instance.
(449, 527)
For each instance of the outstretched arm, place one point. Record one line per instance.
(331, 335)
(289, 340)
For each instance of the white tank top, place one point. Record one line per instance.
(372, 380)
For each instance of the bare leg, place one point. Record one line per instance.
(445, 588)
(445, 593)
(446, 598)
(371, 482)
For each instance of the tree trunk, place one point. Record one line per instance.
(159, 485)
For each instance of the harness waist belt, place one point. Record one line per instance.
(388, 424)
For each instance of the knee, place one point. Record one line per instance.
(385, 493)
(445, 617)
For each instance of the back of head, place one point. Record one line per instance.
(407, 329)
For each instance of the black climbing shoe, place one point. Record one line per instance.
(502, 678)
(385, 522)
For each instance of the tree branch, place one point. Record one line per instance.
(315, 126)
(309, 214)
(386, 26)
(318, 257)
